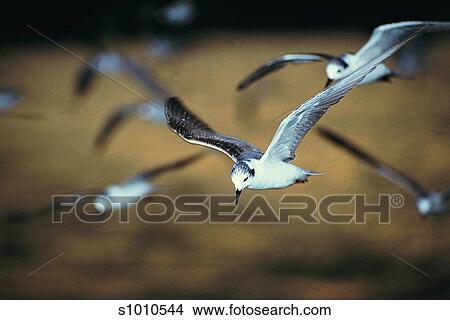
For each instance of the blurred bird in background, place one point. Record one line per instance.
(140, 184)
(151, 111)
(428, 203)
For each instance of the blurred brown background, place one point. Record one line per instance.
(406, 123)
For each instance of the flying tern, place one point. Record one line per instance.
(382, 38)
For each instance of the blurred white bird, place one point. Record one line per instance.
(382, 38)
(138, 185)
(151, 111)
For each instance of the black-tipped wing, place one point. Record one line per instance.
(297, 124)
(383, 170)
(280, 62)
(113, 122)
(195, 131)
(155, 172)
(388, 35)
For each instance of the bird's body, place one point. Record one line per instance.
(122, 191)
(275, 174)
(381, 72)
(339, 67)
(138, 185)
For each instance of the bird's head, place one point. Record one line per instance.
(335, 69)
(241, 175)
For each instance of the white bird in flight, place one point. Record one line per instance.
(382, 38)
(272, 169)
(428, 203)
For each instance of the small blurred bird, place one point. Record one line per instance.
(382, 38)
(165, 46)
(9, 99)
(178, 13)
(134, 187)
(149, 111)
(140, 184)
(428, 203)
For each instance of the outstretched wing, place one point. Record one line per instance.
(155, 172)
(295, 126)
(113, 122)
(387, 35)
(383, 170)
(278, 63)
(193, 130)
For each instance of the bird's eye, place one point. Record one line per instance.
(245, 179)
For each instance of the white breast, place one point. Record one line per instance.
(354, 63)
(274, 175)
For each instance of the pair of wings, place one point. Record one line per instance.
(382, 38)
(291, 130)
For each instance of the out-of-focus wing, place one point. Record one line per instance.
(280, 62)
(384, 170)
(116, 119)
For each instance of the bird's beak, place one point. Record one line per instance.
(238, 194)
(328, 83)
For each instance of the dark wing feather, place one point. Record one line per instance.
(280, 62)
(84, 80)
(195, 131)
(155, 172)
(113, 122)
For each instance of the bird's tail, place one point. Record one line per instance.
(399, 75)
(313, 173)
